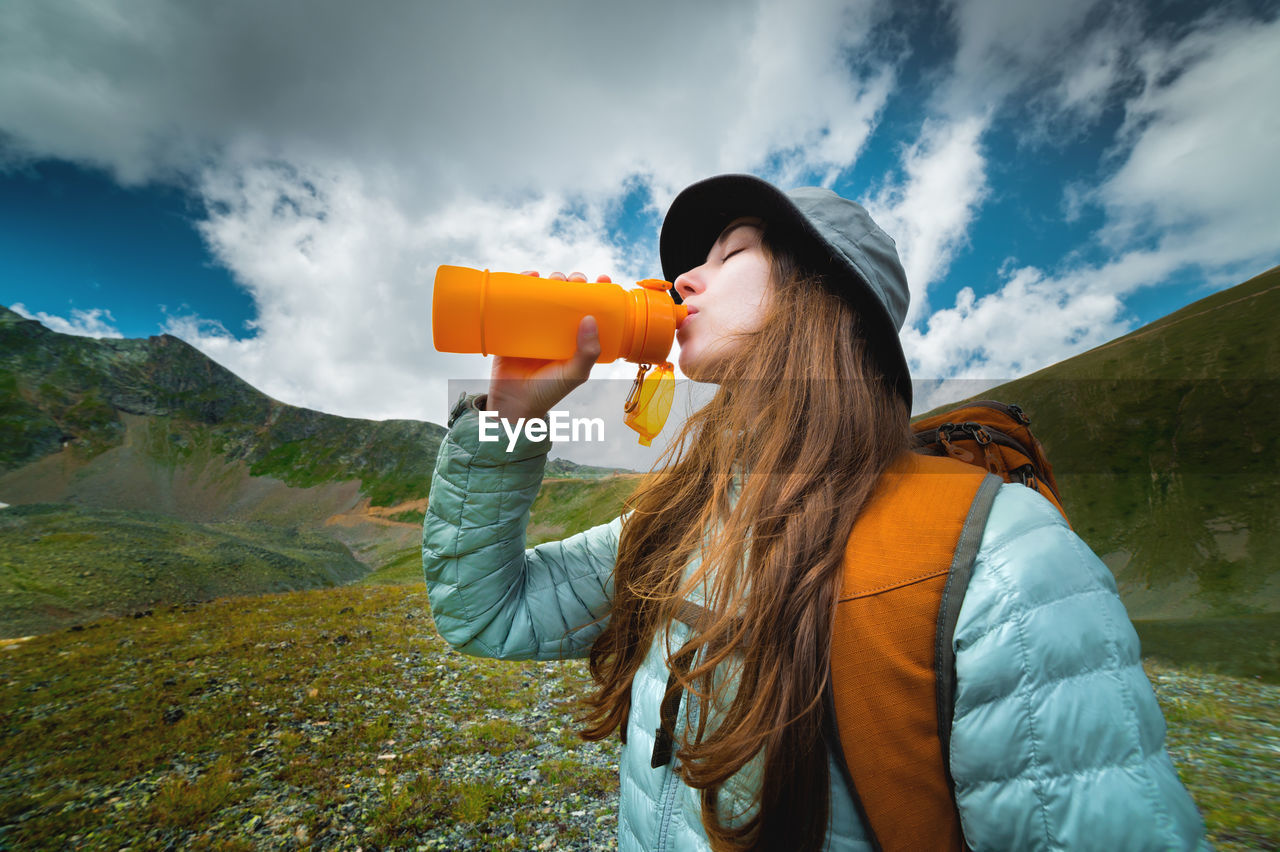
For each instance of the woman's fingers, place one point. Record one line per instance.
(530, 387)
(588, 351)
(573, 276)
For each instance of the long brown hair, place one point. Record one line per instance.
(801, 429)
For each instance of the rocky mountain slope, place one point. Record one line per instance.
(193, 454)
(59, 392)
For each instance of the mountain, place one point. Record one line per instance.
(91, 396)
(1165, 445)
(141, 471)
(1164, 442)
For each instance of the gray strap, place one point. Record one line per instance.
(944, 655)
(693, 614)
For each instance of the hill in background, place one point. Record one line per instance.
(1165, 445)
(161, 476)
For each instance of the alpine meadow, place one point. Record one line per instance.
(216, 634)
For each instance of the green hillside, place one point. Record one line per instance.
(143, 473)
(65, 564)
(567, 506)
(1164, 443)
(1165, 447)
(565, 469)
(563, 507)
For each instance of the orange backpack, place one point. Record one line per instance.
(893, 677)
(892, 689)
(994, 435)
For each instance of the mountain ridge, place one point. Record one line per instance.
(64, 390)
(1163, 440)
(1164, 446)
(154, 427)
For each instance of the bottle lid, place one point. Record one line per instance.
(654, 327)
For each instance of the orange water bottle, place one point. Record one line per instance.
(505, 313)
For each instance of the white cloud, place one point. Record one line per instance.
(95, 322)
(1193, 186)
(1004, 48)
(1004, 45)
(343, 280)
(1099, 64)
(1035, 319)
(1200, 168)
(813, 115)
(929, 213)
(436, 100)
(344, 154)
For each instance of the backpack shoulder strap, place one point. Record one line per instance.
(906, 567)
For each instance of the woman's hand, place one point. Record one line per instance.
(529, 387)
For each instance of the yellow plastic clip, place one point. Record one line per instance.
(649, 401)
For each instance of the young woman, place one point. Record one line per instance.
(795, 300)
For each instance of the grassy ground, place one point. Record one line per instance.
(401, 568)
(1224, 737)
(62, 564)
(338, 718)
(1246, 646)
(563, 507)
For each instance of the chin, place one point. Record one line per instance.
(688, 364)
(698, 369)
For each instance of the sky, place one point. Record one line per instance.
(276, 183)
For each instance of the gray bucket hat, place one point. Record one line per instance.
(832, 236)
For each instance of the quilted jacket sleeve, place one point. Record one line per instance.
(489, 595)
(1058, 742)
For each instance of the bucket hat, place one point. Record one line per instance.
(832, 236)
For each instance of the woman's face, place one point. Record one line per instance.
(726, 296)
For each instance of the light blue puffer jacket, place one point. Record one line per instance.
(1057, 742)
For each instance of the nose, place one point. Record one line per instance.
(687, 284)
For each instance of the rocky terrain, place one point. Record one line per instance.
(337, 719)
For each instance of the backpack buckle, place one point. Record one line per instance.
(979, 433)
(1027, 476)
(945, 432)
